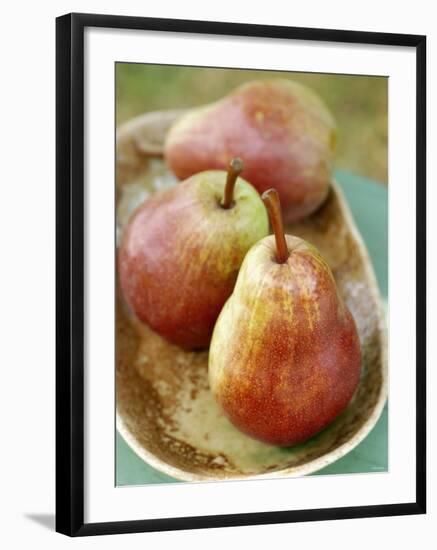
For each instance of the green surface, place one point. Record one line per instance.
(368, 201)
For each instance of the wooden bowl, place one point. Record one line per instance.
(165, 410)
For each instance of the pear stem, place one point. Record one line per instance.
(273, 205)
(234, 170)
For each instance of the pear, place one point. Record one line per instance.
(285, 355)
(181, 251)
(282, 129)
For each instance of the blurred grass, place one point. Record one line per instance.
(359, 103)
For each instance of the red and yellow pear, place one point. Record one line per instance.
(285, 354)
(181, 251)
(283, 131)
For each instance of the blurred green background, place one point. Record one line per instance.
(359, 103)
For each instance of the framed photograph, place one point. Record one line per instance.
(240, 274)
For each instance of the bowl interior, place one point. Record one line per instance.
(165, 410)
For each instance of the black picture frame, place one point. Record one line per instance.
(70, 273)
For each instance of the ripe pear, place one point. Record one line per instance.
(285, 355)
(282, 129)
(181, 251)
